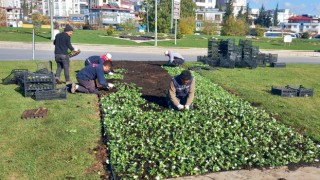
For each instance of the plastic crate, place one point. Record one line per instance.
(278, 65)
(14, 76)
(39, 86)
(283, 91)
(44, 67)
(60, 93)
(305, 92)
(302, 91)
(38, 77)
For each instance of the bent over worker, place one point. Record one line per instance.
(175, 59)
(181, 91)
(86, 78)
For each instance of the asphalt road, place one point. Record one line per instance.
(44, 51)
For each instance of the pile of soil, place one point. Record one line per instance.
(150, 76)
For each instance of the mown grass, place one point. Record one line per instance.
(101, 37)
(254, 85)
(54, 147)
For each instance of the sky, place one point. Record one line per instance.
(298, 7)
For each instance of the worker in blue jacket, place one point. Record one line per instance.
(88, 75)
(99, 60)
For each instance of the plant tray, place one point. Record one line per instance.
(35, 113)
(283, 91)
(278, 65)
(60, 93)
(38, 77)
(302, 91)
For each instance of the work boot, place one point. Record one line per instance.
(58, 81)
(73, 88)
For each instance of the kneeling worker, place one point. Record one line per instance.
(99, 60)
(181, 91)
(86, 78)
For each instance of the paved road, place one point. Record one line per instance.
(44, 51)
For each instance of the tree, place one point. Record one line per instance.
(264, 18)
(275, 16)
(246, 15)
(187, 25)
(241, 14)
(3, 17)
(210, 27)
(187, 9)
(234, 27)
(229, 10)
(129, 25)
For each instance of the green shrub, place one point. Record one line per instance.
(110, 30)
(305, 35)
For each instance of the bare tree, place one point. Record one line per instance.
(3, 17)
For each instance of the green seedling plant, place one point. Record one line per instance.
(222, 132)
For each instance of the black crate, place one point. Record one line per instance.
(14, 76)
(38, 77)
(305, 92)
(283, 91)
(60, 93)
(278, 65)
(302, 91)
(39, 86)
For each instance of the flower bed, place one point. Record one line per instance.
(223, 132)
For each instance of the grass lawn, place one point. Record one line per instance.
(254, 85)
(60, 146)
(101, 37)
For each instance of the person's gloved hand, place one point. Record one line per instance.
(110, 73)
(110, 85)
(187, 107)
(180, 107)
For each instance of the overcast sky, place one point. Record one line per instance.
(296, 6)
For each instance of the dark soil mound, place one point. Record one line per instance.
(150, 76)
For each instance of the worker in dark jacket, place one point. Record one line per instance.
(181, 91)
(62, 43)
(99, 60)
(88, 75)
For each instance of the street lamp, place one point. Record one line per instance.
(156, 24)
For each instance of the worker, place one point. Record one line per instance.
(88, 75)
(62, 43)
(99, 60)
(175, 59)
(181, 91)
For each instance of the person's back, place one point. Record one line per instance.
(62, 43)
(93, 60)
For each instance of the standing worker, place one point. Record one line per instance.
(181, 91)
(175, 59)
(88, 75)
(62, 43)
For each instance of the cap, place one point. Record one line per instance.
(185, 75)
(107, 57)
(68, 28)
(166, 52)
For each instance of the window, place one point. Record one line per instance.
(217, 17)
(200, 17)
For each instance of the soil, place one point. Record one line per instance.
(154, 81)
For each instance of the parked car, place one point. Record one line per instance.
(317, 37)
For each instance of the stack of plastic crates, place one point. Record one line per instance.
(37, 81)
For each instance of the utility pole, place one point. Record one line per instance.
(156, 24)
(171, 24)
(51, 19)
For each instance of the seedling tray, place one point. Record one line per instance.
(60, 93)
(35, 113)
(283, 91)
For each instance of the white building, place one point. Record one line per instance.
(61, 8)
(10, 3)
